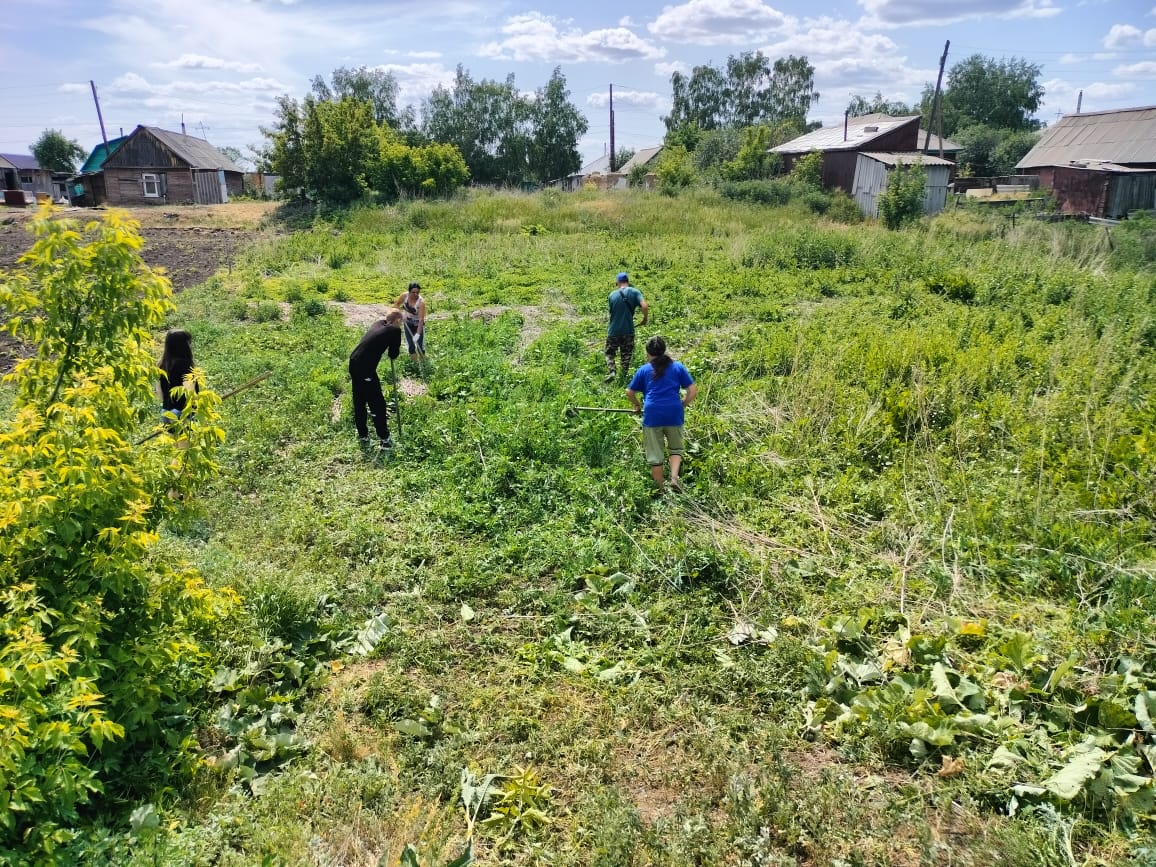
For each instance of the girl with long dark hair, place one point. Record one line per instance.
(176, 364)
(667, 390)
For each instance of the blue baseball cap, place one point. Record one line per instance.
(623, 277)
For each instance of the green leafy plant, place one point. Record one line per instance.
(902, 201)
(102, 647)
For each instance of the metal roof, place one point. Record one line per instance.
(933, 143)
(99, 155)
(642, 157)
(907, 159)
(197, 152)
(1127, 135)
(24, 162)
(1105, 166)
(860, 131)
(602, 164)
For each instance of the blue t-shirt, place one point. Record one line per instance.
(623, 302)
(662, 397)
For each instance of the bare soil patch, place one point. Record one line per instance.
(190, 254)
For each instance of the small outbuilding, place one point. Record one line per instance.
(1102, 189)
(873, 173)
(1100, 163)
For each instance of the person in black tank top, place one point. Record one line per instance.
(412, 306)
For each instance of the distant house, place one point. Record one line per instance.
(841, 145)
(1102, 163)
(152, 166)
(23, 172)
(873, 171)
(574, 181)
(598, 174)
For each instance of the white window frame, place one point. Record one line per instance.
(155, 180)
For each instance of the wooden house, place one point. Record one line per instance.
(841, 145)
(153, 166)
(23, 172)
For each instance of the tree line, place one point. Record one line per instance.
(348, 139)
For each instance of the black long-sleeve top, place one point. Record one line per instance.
(380, 338)
(175, 377)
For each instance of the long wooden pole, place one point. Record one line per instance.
(99, 117)
(935, 99)
(224, 396)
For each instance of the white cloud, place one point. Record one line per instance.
(845, 56)
(416, 81)
(626, 21)
(666, 70)
(647, 99)
(132, 83)
(1144, 69)
(200, 61)
(899, 13)
(716, 22)
(537, 37)
(1063, 95)
(424, 55)
(1127, 36)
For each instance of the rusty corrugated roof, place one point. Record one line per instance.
(1127, 135)
(860, 131)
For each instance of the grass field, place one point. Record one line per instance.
(901, 615)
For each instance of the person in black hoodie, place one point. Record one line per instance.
(383, 336)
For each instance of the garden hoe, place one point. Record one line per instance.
(572, 411)
(396, 399)
(225, 396)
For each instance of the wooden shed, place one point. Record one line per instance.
(158, 167)
(873, 172)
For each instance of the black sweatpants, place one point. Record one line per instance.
(367, 396)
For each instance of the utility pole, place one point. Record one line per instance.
(99, 116)
(935, 99)
(612, 155)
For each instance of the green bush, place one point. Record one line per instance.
(102, 650)
(776, 192)
(266, 311)
(809, 170)
(844, 209)
(674, 171)
(902, 201)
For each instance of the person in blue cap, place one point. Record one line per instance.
(623, 301)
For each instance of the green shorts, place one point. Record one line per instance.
(654, 439)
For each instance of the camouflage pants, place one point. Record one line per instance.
(623, 345)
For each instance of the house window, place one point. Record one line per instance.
(152, 186)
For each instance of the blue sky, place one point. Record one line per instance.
(222, 63)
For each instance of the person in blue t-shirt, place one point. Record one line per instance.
(623, 301)
(667, 390)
